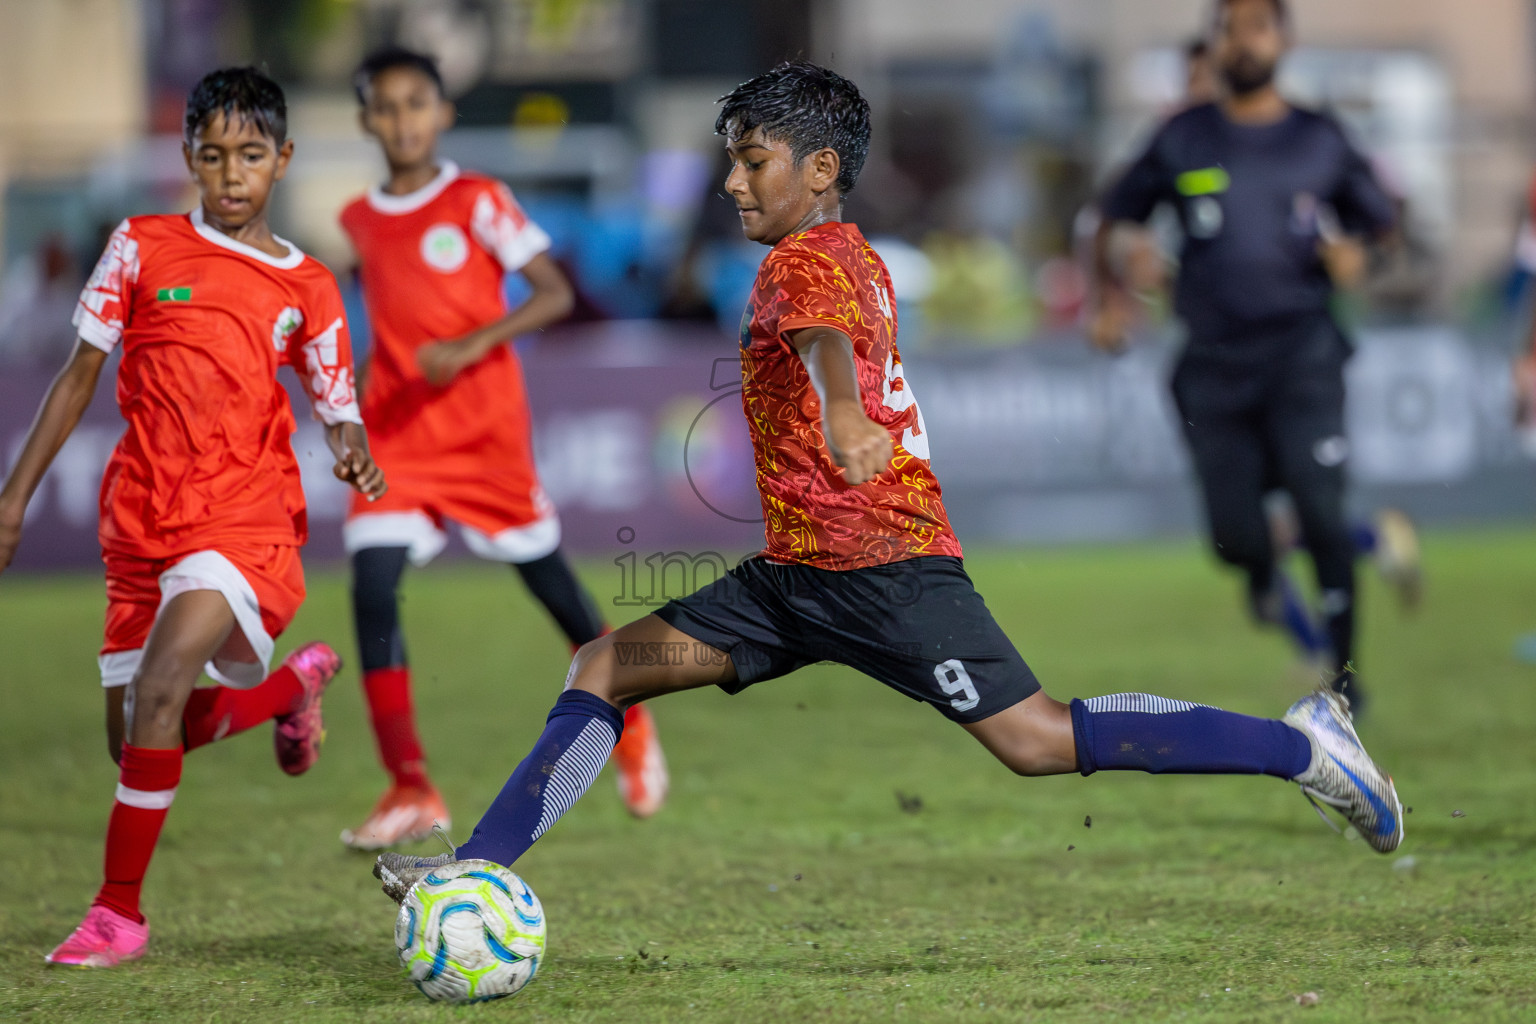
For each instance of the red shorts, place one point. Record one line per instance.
(505, 517)
(263, 583)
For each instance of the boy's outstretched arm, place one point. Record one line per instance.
(61, 410)
(552, 301)
(857, 443)
(354, 463)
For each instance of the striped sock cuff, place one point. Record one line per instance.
(1143, 703)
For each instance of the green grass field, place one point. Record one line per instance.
(784, 881)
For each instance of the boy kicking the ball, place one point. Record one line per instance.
(444, 394)
(202, 512)
(860, 565)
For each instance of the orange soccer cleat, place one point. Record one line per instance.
(404, 814)
(641, 766)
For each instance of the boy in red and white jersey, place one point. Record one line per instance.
(202, 510)
(450, 418)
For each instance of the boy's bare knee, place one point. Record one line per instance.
(1031, 761)
(592, 668)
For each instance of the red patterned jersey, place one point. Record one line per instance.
(829, 276)
(431, 265)
(204, 322)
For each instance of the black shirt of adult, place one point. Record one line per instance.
(1252, 200)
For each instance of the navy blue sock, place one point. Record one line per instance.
(1139, 732)
(578, 736)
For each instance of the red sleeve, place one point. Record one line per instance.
(321, 354)
(107, 301)
(797, 290)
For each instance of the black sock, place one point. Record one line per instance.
(376, 606)
(551, 580)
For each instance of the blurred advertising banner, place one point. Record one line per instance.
(642, 445)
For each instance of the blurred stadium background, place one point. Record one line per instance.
(996, 120)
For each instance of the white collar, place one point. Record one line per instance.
(384, 202)
(294, 258)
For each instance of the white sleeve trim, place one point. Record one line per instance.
(332, 415)
(93, 332)
(513, 246)
(520, 249)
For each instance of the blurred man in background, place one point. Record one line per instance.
(1275, 207)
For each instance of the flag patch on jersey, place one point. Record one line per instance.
(174, 295)
(1203, 182)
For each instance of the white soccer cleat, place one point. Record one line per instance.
(1342, 775)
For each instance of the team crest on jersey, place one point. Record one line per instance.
(444, 247)
(288, 323)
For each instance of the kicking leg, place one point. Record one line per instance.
(1315, 745)
(187, 633)
(644, 659)
(1139, 732)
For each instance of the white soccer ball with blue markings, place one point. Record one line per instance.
(470, 931)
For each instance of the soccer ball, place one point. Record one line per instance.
(470, 931)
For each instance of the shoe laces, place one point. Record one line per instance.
(442, 836)
(1313, 796)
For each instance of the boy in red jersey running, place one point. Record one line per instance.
(202, 511)
(860, 565)
(444, 394)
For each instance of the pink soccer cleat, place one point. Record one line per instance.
(104, 939)
(297, 736)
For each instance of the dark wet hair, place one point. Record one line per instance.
(389, 58)
(245, 93)
(1282, 9)
(807, 106)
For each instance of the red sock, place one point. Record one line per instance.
(394, 724)
(215, 712)
(146, 785)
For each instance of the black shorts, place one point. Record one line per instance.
(918, 626)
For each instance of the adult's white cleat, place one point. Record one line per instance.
(1342, 775)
